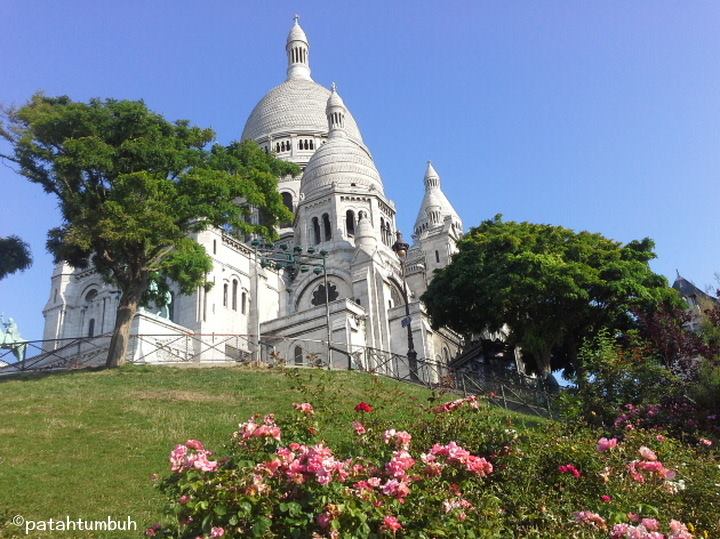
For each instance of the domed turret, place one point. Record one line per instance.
(298, 49)
(335, 111)
(435, 207)
(342, 161)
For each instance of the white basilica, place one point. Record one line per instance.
(339, 207)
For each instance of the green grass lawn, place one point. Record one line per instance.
(84, 444)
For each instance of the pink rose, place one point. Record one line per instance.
(591, 519)
(647, 453)
(217, 532)
(391, 524)
(605, 444)
(195, 444)
(650, 524)
(304, 407)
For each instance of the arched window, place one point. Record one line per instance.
(446, 355)
(312, 145)
(243, 303)
(288, 201)
(91, 295)
(382, 230)
(350, 222)
(326, 226)
(234, 294)
(225, 294)
(316, 230)
(91, 328)
(298, 356)
(437, 257)
(214, 247)
(277, 147)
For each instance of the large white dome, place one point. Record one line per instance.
(295, 106)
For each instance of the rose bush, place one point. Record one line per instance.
(455, 469)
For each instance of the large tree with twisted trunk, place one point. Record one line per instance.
(132, 187)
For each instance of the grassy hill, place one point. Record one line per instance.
(85, 444)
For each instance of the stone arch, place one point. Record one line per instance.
(303, 300)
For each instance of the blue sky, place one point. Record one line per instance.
(597, 116)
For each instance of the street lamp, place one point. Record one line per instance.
(280, 256)
(401, 249)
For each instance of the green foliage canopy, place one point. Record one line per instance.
(550, 285)
(132, 188)
(14, 256)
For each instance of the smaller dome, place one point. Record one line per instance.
(342, 162)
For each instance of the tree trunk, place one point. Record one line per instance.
(127, 308)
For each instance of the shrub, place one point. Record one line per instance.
(456, 469)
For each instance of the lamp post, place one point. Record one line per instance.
(280, 256)
(401, 249)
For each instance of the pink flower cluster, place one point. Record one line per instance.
(641, 531)
(605, 444)
(191, 455)
(591, 519)
(304, 407)
(649, 528)
(454, 405)
(391, 524)
(299, 462)
(401, 438)
(455, 455)
(399, 464)
(252, 429)
(649, 464)
(678, 530)
(459, 503)
(359, 428)
(571, 469)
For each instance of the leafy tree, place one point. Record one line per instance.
(553, 287)
(134, 187)
(14, 256)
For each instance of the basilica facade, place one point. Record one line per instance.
(340, 208)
